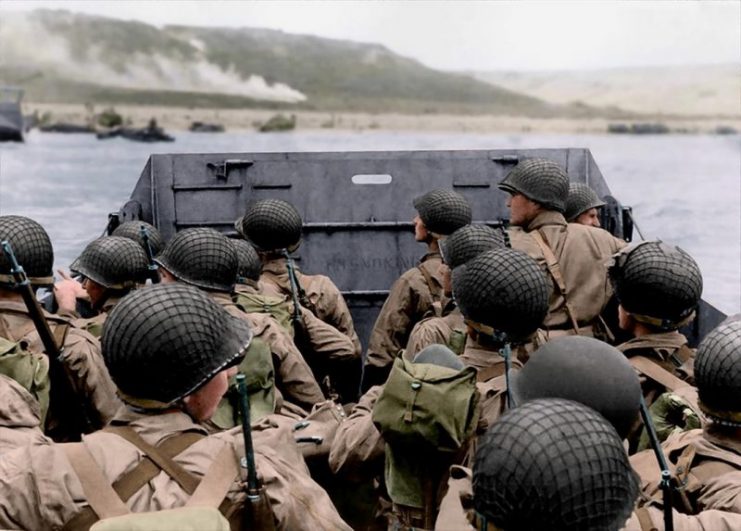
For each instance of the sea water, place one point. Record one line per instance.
(684, 189)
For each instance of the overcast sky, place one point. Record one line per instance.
(481, 35)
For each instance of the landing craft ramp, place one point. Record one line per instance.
(356, 206)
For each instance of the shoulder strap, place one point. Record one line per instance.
(435, 294)
(133, 480)
(185, 479)
(644, 519)
(554, 268)
(60, 334)
(219, 478)
(98, 491)
(655, 372)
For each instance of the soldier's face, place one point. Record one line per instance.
(522, 210)
(94, 290)
(590, 217)
(421, 234)
(202, 404)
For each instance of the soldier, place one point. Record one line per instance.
(658, 287)
(582, 205)
(132, 231)
(169, 349)
(455, 250)
(503, 295)
(573, 255)
(330, 354)
(80, 353)
(588, 371)
(110, 267)
(706, 463)
(205, 258)
(274, 227)
(418, 293)
(551, 464)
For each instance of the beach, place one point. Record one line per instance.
(180, 118)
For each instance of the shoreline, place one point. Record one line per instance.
(234, 120)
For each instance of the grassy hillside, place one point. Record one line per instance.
(65, 57)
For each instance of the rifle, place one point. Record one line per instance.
(153, 276)
(300, 336)
(666, 476)
(258, 514)
(63, 388)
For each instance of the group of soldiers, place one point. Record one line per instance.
(522, 378)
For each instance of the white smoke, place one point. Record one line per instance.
(25, 42)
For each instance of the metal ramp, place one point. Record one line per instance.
(356, 206)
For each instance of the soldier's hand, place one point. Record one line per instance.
(67, 291)
(671, 414)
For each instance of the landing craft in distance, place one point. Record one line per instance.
(11, 118)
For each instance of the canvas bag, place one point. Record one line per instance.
(29, 369)
(428, 405)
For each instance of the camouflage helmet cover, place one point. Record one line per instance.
(540, 180)
(581, 198)
(504, 289)
(250, 265)
(113, 262)
(32, 248)
(718, 373)
(589, 371)
(162, 343)
(132, 230)
(443, 211)
(553, 464)
(468, 242)
(271, 225)
(202, 257)
(659, 284)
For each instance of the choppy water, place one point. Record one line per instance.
(683, 189)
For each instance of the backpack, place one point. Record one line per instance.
(257, 366)
(29, 369)
(427, 405)
(276, 307)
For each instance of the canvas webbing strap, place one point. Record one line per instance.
(644, 519)
(554, 268)
(655, 372)
(183, 478)
(130, 483)
(215, 485)
(429, 282)
(98, 491)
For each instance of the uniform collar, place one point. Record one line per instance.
(546, 217)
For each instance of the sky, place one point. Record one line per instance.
(473, 35)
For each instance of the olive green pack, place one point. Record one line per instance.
(424, 404)
(257, 366)
(29, 369)
(276, 307)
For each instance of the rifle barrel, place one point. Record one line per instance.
(249, 451)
